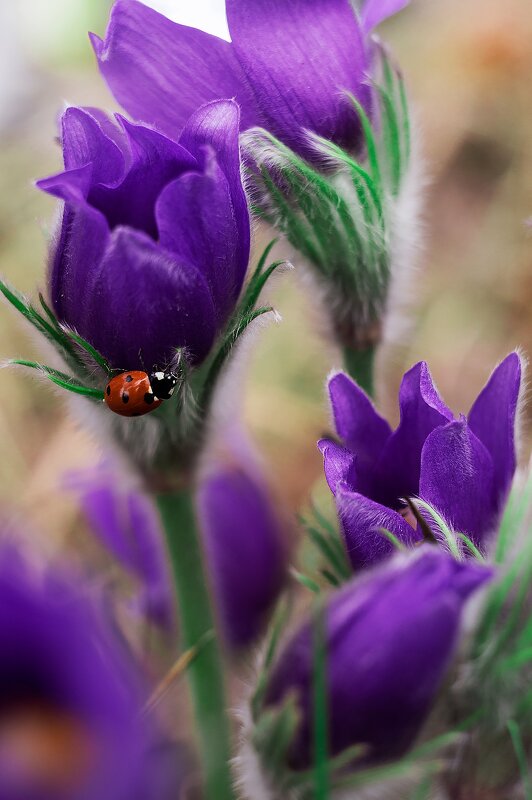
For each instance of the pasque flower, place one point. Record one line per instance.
(290, 65)
(462, 467)
(70, 695)
(123, 518)
(389, 636)
(154, 239)
(243, 537)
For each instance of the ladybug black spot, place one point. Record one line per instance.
(149, 397)
(108, 390)
(125, 397)
(129, 379)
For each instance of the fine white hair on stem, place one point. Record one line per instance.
(406, 244)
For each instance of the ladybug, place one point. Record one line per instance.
(135, 393)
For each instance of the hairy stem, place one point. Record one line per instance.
(205, 673)
(360, 365)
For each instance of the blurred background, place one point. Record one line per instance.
(468, 64)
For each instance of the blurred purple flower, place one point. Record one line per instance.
(390, 637)
(242, 535)
(243, 541)
(155, 235)
(124, 520)
(463, 468)
(290, 65)
(70, 696)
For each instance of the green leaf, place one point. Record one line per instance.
(305, 581)
(93, 353)
(60, 379)
(392, 538)
(328, 550)
(371, 144)
(320, 704)
(274, 731)
(277, 627)
(473, 549)
(521, 756)
(442, 526)
(391, 139)
(24, 307)
(223, 352)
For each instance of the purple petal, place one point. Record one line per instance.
(204, 216)
(457, 479)
(300, 56)
(357, 423)
(362, 523)
(217, 125)
(81, 243)
(126, 523)
(422, 410)
(155, 161)
(60, 652)
(493, 420)
(143, 303)
(122, 184)
(376, 11)
(72, 186)
(243, 541)
(85, 141)
(339, 464)
(390, 638)
(160, 72)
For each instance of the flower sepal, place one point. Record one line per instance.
(340, 213)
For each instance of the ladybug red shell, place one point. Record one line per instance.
(131, 395)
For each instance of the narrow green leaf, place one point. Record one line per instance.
(334, 542)
(48, 311)
(93, 353)
(60, 379)
(330, 577)
(371, 145)
(25, 308)
(255, 287)
(305, 581)
(277, 627)
(391, 139)
(392, 538)
(273, 734)
(520, 753)
(447, 533)
(327, 549)
(320, 704)
(223, 352)
(471, 546)
(264, 257)
(294, 228)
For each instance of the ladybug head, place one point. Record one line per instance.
(163, 384)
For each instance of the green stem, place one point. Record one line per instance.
(205, 673)
(360, 365)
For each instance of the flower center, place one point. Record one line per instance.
(44, 748)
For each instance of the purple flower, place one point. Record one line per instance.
(70, 695)
(155, 236)
(242, 535)
(124, 520)
(462, 467)
(390, 637)
(290, 65)
(243, 541)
